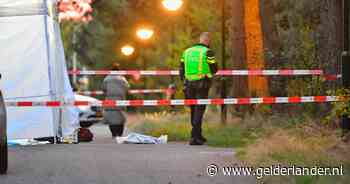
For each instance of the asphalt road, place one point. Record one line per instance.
(105, 162)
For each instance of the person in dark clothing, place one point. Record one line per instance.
(116, 130)
(198, 66)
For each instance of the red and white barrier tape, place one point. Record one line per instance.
(332, 77)
(188, 102)
(221, 72)
(134, 91)
(148, 91)
(90, 93)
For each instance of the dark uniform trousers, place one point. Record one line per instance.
(197, 90)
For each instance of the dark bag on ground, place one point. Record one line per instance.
(85, 135)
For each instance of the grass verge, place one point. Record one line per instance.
(264, 141)
(178, 128)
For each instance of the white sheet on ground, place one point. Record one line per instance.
(134, 138)
(26, 142)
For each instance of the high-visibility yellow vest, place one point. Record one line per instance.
(197, 62)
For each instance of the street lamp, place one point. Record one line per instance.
(144, 33)
(172, 5)
(128, 50)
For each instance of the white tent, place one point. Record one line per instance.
(33, 68)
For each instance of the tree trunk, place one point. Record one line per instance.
(240, 83)
(272, 46)
(258, 86)
(331, 35)
(269, 29)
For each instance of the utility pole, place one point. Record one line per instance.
(346, 59)
(223, 80)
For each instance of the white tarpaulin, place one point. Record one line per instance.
(134, 138)
(33, 68)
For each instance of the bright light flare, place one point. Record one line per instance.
(128, 50)
(172, 5)
(145, 33)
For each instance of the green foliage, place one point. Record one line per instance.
(341, 107)
(115, 23)
(297, 25)
(301, 38)
(297, 33)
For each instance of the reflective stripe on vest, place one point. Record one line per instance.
(200, 66)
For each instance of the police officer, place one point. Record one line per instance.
(198, 66)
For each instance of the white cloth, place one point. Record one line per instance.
(134, 138)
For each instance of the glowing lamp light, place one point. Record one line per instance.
(144, 33)
(128, 50)
(172, 5)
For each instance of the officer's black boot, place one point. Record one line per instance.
(196, 142)
(196, 137)
(203, 139)
(200, 135)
